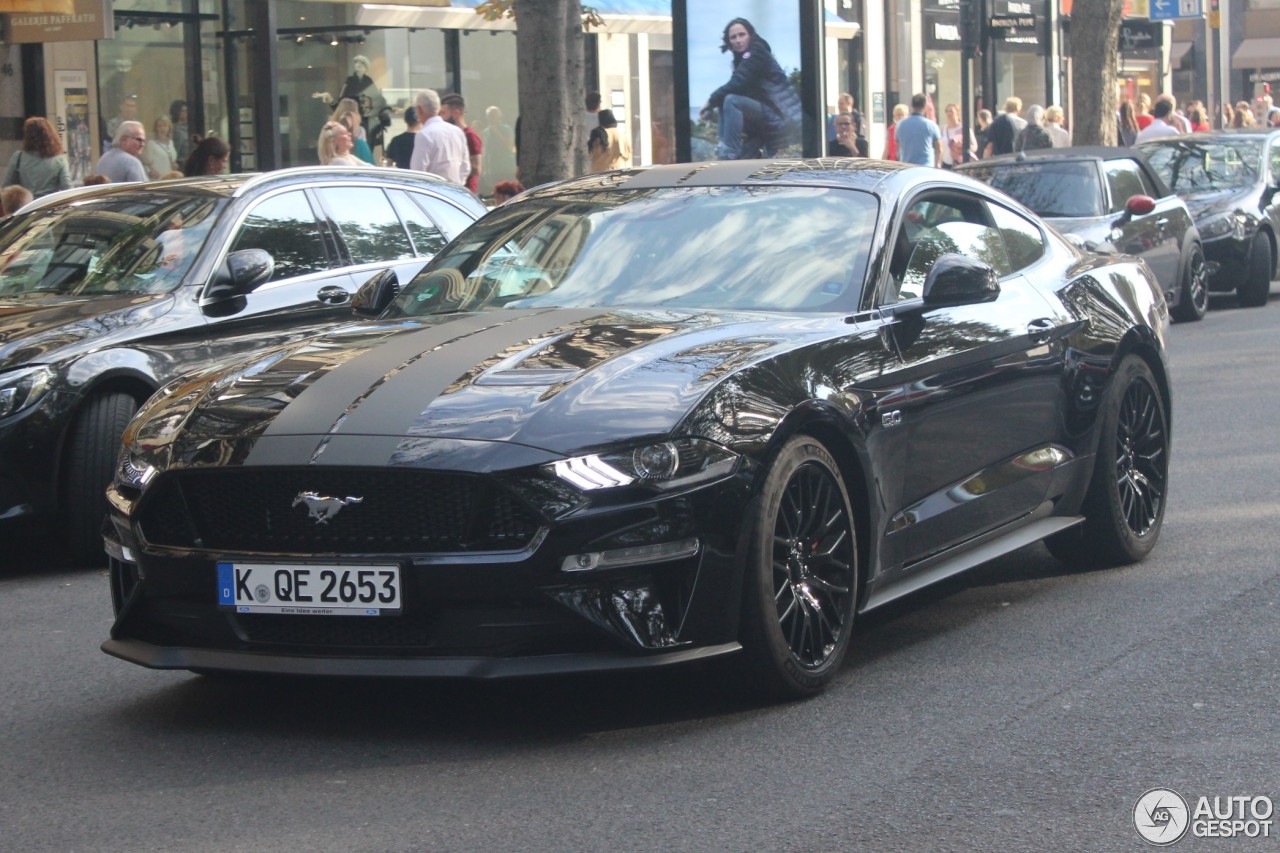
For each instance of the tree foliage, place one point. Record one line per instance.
(1095, 32)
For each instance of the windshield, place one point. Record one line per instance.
(137, 242)
(748, 248)
(1196, 165)
(1063, 190)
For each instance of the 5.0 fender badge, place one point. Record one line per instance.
(321, 507)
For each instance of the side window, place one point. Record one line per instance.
(367, 222)
(286, 227)
(1125, 181)
(934, 226)
(1022, 240)
(427, 236)
(452, 220)
(1275, 162)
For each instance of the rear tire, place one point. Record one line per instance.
(801, 574)
(1193, 301)
(1124, 507)
(91, 458)
(1256, 289)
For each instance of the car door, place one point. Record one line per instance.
(308, 288)
(1156, 236)
(979, 395)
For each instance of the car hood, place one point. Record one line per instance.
(557, 380)
(1210, 202)
(36, 330)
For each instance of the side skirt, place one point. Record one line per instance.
(946, 565)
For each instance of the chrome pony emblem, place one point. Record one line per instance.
(321, 507)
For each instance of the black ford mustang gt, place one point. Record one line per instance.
(649, 417)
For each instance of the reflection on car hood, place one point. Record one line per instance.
(555, 379)
(34, 330)
(1209, 202)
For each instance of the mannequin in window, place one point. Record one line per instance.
(360, 88)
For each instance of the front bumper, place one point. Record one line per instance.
(1228, 260)
(475, 615)
(29, 445)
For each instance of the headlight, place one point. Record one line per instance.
(662, 464)
(22, 388)
(1224, 224)
(132, 470)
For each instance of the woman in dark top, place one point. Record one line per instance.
(209, 157)
(759, 108)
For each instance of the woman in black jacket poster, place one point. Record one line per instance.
(759, 109)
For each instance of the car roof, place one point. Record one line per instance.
(1075, 152)
(845, 172)
(236, 186)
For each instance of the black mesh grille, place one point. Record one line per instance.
(337, 631)
(398, 511)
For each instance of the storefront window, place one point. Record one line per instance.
(489, 85)
(163, 63)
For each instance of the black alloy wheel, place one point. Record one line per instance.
(1256, 289)
(802, 579)
(1193, 301)
(1124, 507)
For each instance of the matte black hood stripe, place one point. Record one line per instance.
(320, 406)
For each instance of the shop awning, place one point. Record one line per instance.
(38, 7)
(1257, 53)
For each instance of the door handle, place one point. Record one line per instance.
(1041, 330)
(333, 294)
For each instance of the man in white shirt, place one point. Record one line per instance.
(121, 164)
(1161, 123)
(439, 148)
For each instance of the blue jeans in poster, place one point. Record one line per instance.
(746, 129)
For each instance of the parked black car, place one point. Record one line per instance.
(1110, 200)
(1229, 180)
(107, 294)
(647, 417)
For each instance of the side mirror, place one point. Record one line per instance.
(239, 274)
(959, 280)
(1139, 205)
(376, 294)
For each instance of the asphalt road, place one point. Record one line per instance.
(1020, 707)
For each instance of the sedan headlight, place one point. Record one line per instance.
(1234, 224)
(22, 388)
(663, 464)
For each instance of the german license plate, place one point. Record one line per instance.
(309, 590)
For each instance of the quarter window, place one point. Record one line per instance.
(427, 236)
(368, 224)
(452, 221)
(285, 226)
(1022, 240)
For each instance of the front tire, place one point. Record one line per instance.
(1193, 301)
(801, 574)
(1256, 289)
(1124, 507)
(91, 458)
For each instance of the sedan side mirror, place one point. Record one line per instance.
(959, 280)
(240, 273)
(376, 294)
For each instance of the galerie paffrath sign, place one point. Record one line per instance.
(43, 21)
